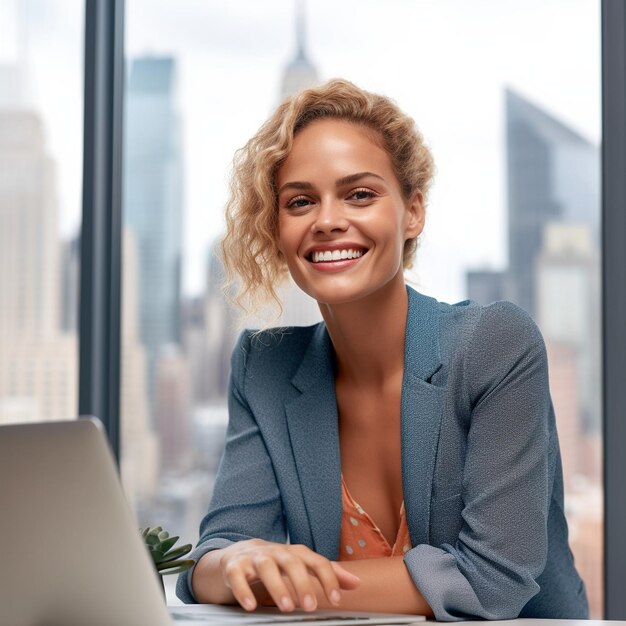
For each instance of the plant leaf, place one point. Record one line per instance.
(177, 552)
(152, 540)
(176, 570)
(174, 566)
(164, 546)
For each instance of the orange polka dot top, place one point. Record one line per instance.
(361, 538)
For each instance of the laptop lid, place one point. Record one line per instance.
(72, 554)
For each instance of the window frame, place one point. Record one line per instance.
(614, 302)
(101, 249)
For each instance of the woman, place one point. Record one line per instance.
(404, 447)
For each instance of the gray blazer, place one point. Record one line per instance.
(481, 469)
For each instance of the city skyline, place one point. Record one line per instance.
(242, 49)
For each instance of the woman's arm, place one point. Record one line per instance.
(207, 581)
(256, 572)
(386, 586)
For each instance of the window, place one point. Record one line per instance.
(40, 201)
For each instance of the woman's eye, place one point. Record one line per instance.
(298, 203)
(362, 194)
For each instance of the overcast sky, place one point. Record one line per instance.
(446, 62)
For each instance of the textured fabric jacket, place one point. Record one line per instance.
(481, 469)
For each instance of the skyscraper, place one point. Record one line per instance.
(568, 309)
(38, 362)
(140, 447)
(552, 175)
(29, 241)
(153, 198)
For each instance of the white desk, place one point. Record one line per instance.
(545, 622)
(228, 612)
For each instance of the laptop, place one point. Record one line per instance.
(71, 551)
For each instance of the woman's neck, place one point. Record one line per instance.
(368, 335)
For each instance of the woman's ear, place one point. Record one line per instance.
(415, 216)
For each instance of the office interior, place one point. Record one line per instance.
(118, 121)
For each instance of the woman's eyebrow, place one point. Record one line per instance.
(340, 182)
(296, 185)
(353, 178)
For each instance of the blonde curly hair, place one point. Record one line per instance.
(250, 245)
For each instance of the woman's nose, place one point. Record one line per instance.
(330, 216)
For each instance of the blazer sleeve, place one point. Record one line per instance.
(491, 569)
(246, 501)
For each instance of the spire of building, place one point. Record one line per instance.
(299, 73)
(300, 30)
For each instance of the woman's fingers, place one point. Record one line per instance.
(269, 573)
(236, 577)
(324, 572)
(296, 569)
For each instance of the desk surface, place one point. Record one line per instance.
(548, 622)
(172, 600)
(511, 622)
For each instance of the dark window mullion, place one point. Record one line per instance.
(100, 282)
(614, 300)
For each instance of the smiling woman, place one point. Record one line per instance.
(402, 454)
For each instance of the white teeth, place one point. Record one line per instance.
(320, 256)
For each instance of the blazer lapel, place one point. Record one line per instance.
(312, 422)
(422, 404)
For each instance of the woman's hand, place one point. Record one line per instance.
(290, 574)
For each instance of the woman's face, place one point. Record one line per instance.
(342, 218)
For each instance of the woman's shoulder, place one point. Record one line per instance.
(486, 337)
(279, 348)
(470, 318)
(502, 322)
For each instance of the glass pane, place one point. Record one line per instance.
(514, 212)
(41, 134)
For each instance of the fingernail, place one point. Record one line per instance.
(335, 596)
(309, 603)
(248, 604)
(285, 604)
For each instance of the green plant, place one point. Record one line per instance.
(167, 559)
